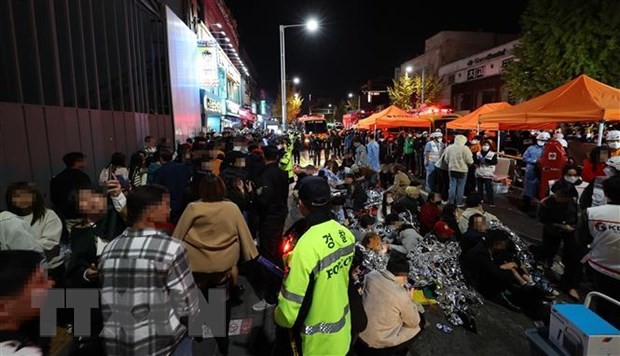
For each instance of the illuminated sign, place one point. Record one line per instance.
(211, 105)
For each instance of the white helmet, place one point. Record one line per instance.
(613, 135)
(614, 162)
(543, 136)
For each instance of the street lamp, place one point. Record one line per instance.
(358, 100)
(296, 80)
(311, 25)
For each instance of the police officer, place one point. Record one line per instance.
(313, 302)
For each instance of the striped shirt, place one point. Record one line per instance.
(146, 288)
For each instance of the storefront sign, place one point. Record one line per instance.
(211, 105)
(232, 108)
(475, 73)
(488, 57)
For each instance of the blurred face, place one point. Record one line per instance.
(480, 225)
(91, 203)
(80, 164)
(348, 180)
(158, 214)
(26, 305)
(437, 199)
(22, 199)
(499, 247)
(240, 162)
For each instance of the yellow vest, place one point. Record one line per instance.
(324, 255)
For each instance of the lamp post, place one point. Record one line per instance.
(358, 100)
(312, 25)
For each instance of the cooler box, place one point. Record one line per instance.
(577, 331)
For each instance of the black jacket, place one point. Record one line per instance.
(61, 186)
(273, 193)
(484, 274)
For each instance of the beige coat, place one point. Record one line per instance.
(393, 317)
(401, 182)
(215, 236)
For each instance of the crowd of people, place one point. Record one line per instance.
(182, 220)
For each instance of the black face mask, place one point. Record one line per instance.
(438, 202)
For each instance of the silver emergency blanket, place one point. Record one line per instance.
(524, 257)
(373, 260)
(435, 265)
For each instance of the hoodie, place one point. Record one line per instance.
(458, 156)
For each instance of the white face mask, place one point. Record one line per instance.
(571, 179)
(609, 171)
(389, 200)
(541, 143)
(614, 145)
(439, 140)
(486, 147)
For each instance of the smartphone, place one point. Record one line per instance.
(124, 182)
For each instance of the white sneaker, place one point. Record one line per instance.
(262, 305)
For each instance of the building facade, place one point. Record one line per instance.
(476, 80)
(449, 46)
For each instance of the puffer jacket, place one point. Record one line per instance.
(458, 156)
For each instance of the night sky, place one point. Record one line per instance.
(358, 39)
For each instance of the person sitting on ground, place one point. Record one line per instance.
(442, 232)
(411, 202)
(475, 232)
(430, 212)
(451, 214)
(355, 193)
(496, 280)
(22, 280)
(393, 318)
(386, 176)
(401, 182)
(474, 206)
(365, 224)
(404, 238)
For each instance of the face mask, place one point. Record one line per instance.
(474, 142)
(486, 148)
(609, 171)
(279, 147)
(571, 179)
(389, 200)
(614, 145)
(541, 143)
(438, 202)
(440, 140)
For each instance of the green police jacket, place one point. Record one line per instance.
(322, 256)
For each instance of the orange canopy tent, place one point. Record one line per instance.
(392, 117)
(471, 120)
(581, 99)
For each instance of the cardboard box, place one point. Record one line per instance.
(578, 331)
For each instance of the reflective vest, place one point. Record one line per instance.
(286, 162)
(322, 256)
(604, 226)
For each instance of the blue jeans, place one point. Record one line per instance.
(184, 347)
(457, 190)
(430, 167)
(487, 184)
